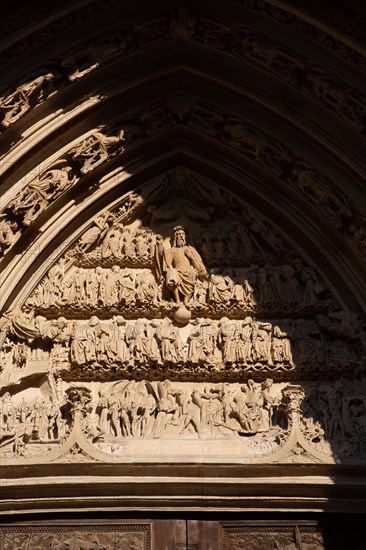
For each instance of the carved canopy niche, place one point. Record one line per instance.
(182, 264)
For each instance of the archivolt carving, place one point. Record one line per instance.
(274, 156)
(313, 32)
(55, 27)
(95, 149)
(206, 28)
(40, 193)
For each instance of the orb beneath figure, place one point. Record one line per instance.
(182, 315)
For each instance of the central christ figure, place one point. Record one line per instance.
(180, 266)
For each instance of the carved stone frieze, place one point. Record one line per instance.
(291, 537)
(125, 411)
(60, 537)
(264, 421)
(222, 349)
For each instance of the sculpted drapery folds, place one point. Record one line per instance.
(180, 266)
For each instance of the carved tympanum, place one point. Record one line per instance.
(180, 313)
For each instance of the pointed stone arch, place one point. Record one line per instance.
(100, 102)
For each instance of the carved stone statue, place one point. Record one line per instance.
(180, 266)
(96, 232)
(41, 192)
(170, 342)
(84, 342)
(8, 235)
(203, 344)
(27, 95)
(95, 149)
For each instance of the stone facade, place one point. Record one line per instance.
(182, 257)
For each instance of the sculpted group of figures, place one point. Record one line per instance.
(161, 409)
(223, 290)
(204, 344)
(210, 343)
(332, 416)
(127, 244)
(150, 409)
(38, 421)
(336, 413)
(154, 275)
(103, 288)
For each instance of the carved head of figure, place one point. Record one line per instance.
(267, 384)
(61, 323)
(119, 319)
(93, 321)
(251, 384)
(180, 233)
(223, 321)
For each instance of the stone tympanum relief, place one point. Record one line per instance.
(260, 421)
(181, 313)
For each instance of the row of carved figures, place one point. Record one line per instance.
(147, 409)
(329, 413)
(267, 286)
(209, 342)
(41, 419)
(123, 243)
(161, 342)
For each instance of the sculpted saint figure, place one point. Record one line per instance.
(203, 343)
(228, 334)
(170, 342)
(84, 342)
(180, 266)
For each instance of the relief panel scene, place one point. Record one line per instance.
(180, 314)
